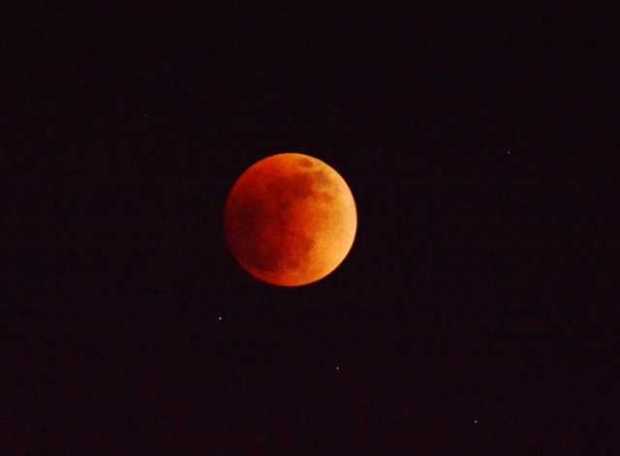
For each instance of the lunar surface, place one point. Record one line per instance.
(290, 219)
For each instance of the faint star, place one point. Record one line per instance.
(219, 318)
(475, 421)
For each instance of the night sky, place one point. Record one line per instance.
(471, 315)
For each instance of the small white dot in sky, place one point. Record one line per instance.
(219, 318)
(337, 368)
(475, 421)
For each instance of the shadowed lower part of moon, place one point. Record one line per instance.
(290, 219)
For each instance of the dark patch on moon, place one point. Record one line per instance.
(288, 189)
(244, 223)
(262, 231)
(305, 162)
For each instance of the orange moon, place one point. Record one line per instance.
(290, 219)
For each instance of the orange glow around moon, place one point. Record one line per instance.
(290, 219)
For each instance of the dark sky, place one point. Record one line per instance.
(471, 315)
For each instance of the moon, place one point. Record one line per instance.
(290, 219)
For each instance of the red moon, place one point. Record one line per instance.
(290, 219)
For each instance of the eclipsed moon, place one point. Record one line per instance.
(290, 219)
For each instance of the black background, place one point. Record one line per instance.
(471, 315)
